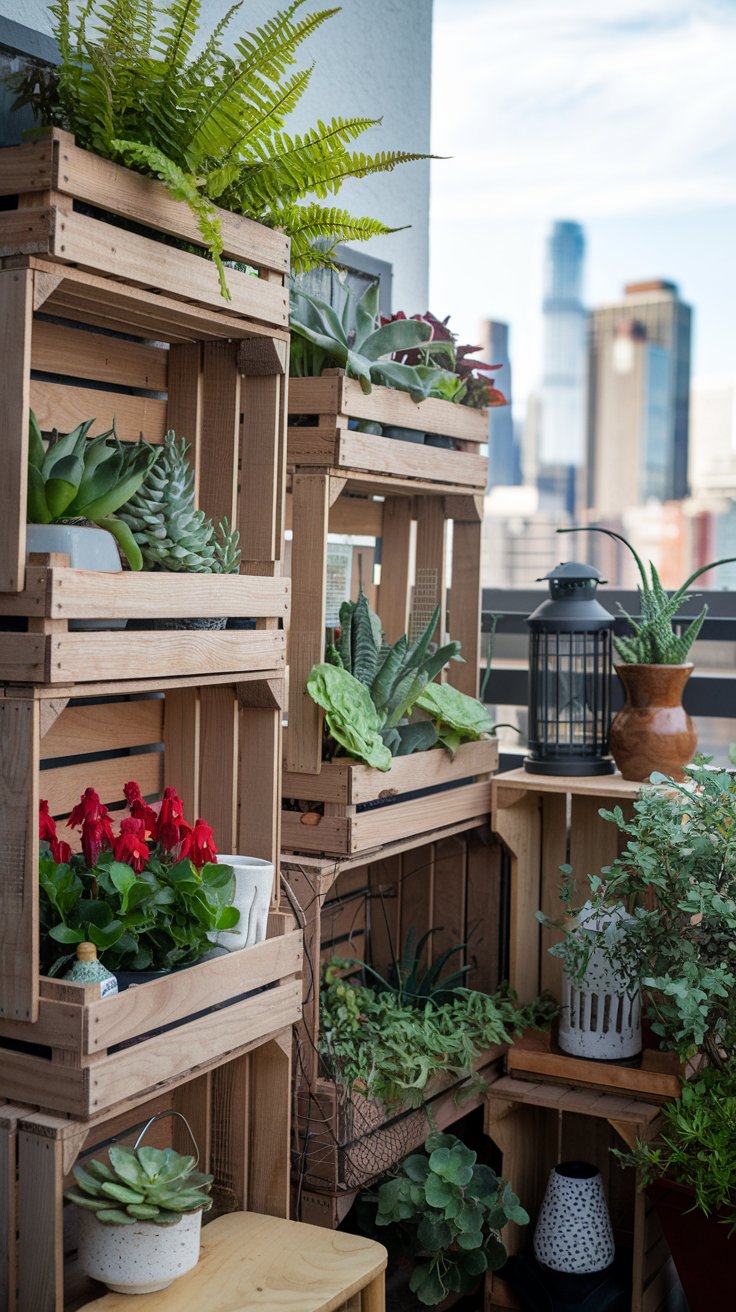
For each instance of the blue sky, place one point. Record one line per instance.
(616, 113)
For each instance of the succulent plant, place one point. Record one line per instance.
(141, 1184)
(322, 338)
(76, 477)
(171, 533)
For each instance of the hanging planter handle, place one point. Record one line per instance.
(158, 1117)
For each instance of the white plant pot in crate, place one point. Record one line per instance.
(87, 548)
(573, 1231)
(138, 1258)
(600, 1015)
(253, 887)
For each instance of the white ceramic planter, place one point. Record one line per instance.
(87, 548)
(573, 1231)
(253, 886)
(139, 1258)
(600, 1015)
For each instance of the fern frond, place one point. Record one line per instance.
(231, 119)
(313, 223)
(175, 42)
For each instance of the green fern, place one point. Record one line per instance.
(209, 125)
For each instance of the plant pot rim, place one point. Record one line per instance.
(653, 665)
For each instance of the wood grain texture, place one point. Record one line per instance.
(181, 735)
(103, 727)
(59, 405)
(86, 657)
(394, 590)
(10, 1115)
(218, 450)
(519, 828)
(218, 745)
(41, 1226)
(62, 785)
(91, 594)
(59, 349)
(385, 405)
(26, 168)
(465, 605)
(385, 456)
(310, 499)
(19, 959)
(259, 785)
(263, 464)
(270, 1129)
(16, 309)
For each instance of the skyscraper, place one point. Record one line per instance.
(562, 417)
(638, 399)
(504, 457)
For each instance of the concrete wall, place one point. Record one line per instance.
(373, 58)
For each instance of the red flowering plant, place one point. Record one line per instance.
(465, 380)
(148, 897)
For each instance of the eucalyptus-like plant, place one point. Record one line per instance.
(654, 641)
(157, 1185)
(322, 338)
(139, 82)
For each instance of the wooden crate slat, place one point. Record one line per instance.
(63, 785)
(16, 308)
(385, 405)
(59, 349)
(86, 657)
(353, 782)
(57, 405)
(102, 728)
(371, 828)
(26, 168)
(86, 176)
(19, 957)
(361, 451)
(65, 593)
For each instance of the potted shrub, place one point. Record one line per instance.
(445, 1211)
(149, 898)
(170, 533)
(653, 731)
(677, 876)
(140, 1217)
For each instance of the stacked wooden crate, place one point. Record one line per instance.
(550, 1106)
(370, 855)
(106, 311)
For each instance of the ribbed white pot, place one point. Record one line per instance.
(253, 888)
(600, 1015)
(139, 1258)
(573, 1231)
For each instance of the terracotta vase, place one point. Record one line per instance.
(653, 731)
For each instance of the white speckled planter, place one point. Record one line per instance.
(140, 1258)
(253, 886)
(573, 1231)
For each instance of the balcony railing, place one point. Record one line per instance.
(710, 694)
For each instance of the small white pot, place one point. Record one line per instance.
(573, 1231)
(253, 887)
(600, 1015)
(87, 548)
(139, 1258)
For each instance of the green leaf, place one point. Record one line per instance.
(351, 717)
(125, 540)
(465, 715)
(120, 1193)
(36, 448)
(38, 511)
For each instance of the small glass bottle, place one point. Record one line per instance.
(88, 970)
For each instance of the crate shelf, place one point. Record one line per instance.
(537, 1125)
(654, 1076)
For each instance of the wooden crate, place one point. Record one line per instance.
(654, 1076)
(537, 1125)
(323, 502)
(239, 1113)
(361, 808)
(84, 334)
(333, 400)
(219, 745)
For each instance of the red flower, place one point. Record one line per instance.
(171, 825)
(96, 835)
(139, 809)
(61, 851)
(202, 846)
(131, 847)
(46, 823)
(88, 807)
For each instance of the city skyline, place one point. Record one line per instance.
(578, 114)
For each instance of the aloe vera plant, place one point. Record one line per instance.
(368, 689)
(78, 478)
(141, 1184)
(654, 641)
(321, 338)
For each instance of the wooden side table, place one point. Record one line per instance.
(254, 1263)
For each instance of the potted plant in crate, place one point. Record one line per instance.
(677, 876)
(653, 731)
(140, 1216)
(445, 1211)
(170, 533)
(151, 898)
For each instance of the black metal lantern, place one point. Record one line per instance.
(570, 667)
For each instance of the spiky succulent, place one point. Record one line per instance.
(141, 1184)
(171, 533)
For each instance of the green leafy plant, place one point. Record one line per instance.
(140, 1184)
(139, 83)
(456, 717)
(447, 1210)
(170, 532)
(323, 338)
(76, 477)
(388, 1047)
(415, 982)
(654, 641)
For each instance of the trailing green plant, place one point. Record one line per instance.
(139, 82)
(322, 337)
(170, 532)
(696, 1146)
(653, 640)
(157, 1185)
(446, 1210)
(78, 478)
(368, 689)
(386, 1047)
